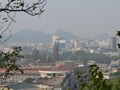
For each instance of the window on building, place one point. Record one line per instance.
(49, 74)
(60, 74)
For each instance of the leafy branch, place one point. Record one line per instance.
(8, 62)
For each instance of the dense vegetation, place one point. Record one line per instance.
(78, 55)
(96, 80)
(116, 81)
(85, 57)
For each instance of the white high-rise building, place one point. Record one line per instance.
(54, 38)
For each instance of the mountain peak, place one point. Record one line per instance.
(66, 35)
(102, 36)
(28, 35)
(60, 30)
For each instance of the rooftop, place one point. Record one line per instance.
(55, 81)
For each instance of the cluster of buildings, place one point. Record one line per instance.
(109, 44)
(60, 44)
(60, 76)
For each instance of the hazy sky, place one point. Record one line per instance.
(80, 17)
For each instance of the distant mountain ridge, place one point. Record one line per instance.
(102, 36)
(28, 35)
(31, 36)
(66, 35)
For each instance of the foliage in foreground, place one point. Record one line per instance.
(8, 62)
(97, 81)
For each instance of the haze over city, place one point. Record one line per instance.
(83, 18)
(73, 45)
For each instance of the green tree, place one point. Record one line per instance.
(35, 54)
(97, 81)
(8, 62)
(118, 34)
